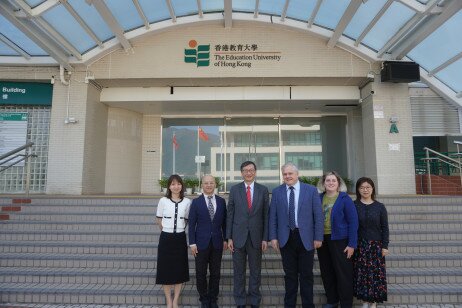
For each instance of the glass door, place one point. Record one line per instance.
(257, 140)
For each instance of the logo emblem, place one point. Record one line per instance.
(199, 54)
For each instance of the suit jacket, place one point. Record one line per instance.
(202, 229)
(240, 222)
(309, 215)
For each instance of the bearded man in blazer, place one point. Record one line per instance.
(247, 233)
(296, 228)
(207, 226)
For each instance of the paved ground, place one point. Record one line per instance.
(141, 306)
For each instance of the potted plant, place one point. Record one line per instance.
(312, 180)
(190, 184)
(217, 184)
(163, 184)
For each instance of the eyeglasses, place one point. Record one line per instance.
(248, 170)
(365, 188)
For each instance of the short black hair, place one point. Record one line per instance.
(247, 163)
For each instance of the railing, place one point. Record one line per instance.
(440, 164)
(11, 157)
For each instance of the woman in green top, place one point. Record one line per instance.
(340, 241)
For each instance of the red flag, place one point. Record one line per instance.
(203, 135)
(175, 143)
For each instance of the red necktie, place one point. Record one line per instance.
(249, 198)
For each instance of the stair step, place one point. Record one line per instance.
(102, 250)
(150, 248)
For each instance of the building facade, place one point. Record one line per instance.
(202, 98)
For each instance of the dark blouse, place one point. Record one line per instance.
(373, 222)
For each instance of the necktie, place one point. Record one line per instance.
(249, 198)
(210, 207)
(292, 208)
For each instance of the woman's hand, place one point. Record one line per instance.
(349, 252)
(384, 252)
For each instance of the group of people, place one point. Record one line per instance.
(351, 238)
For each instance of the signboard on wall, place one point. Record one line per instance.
(25, 93)
(13, 133)
(229, 55)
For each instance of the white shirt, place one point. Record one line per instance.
(296, 195)
(174, 215)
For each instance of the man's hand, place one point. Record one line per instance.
(225, 245)
(349, 252)
(275, 244)
(230, 245)
(193, 250)
(317, 244)
(264, 245)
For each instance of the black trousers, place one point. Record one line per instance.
(211, 258)
(298, 266)
(336, 272)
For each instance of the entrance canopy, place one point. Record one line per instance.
(77, 32)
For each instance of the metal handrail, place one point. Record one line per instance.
(11, 155)
(447, 160)
(23, 147)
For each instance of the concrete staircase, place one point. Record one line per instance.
(102, 250)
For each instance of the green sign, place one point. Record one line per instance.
(25, 93)
(199, 54)
(10, 116)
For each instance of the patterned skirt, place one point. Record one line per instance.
(370, 278)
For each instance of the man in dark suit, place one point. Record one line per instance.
(247, 233)
(296, 225)
(207, 226)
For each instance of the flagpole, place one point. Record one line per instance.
(197, 157)
(174, 152)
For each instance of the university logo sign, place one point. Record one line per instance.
(199, 54)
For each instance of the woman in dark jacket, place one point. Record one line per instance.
(340, 240)
(370, 283)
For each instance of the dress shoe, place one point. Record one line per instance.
(254, 306)
(330, 305)
(240, 306)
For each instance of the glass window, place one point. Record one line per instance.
(267, 161)
(452, 76)
(19, 38)
(126, 14)
(13, 180)
(220, 161)
(301, 138)
(300, 9)
(271, 7)
(5, 50)
(92, 18)
(305, 160)
(184, 7)
(34, 3)
(330, 12)
(185, 139)
(363, 17)
(69, 28)
(434, 50)
(155, 10)
(244, 5)
(212, 5)
(394, 19)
